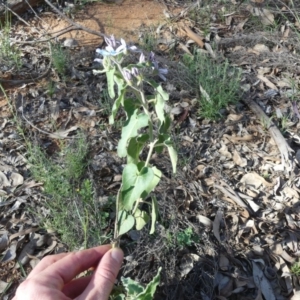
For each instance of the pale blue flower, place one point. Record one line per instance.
(142, 58)
(115, 47)
(152, 56)
(135, 71)
(110, 41)
(162, 72)
(127, 75)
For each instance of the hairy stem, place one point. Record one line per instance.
(152, 146)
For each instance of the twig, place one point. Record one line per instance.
(36, 15)
(74, 23)
(61, 32)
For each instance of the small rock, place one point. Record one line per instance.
(70, 43)
(135, 235)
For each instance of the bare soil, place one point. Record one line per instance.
(122, 20)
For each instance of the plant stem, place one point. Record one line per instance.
(116, 241)
(146, 110)
(136, 205)
(152, 145)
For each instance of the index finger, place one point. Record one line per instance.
(46, 262)
(65, 269)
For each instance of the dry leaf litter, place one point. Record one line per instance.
(238, 182)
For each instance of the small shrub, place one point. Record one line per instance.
(216, 83)
(10, 55)
(186, 237)
(73, 212)
(148, 41)
(60, 59)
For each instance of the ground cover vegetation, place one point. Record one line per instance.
(228, 221)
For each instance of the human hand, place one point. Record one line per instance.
(52, 278)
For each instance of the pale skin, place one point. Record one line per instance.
(53, 277)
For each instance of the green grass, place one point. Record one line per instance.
(73, 212)
(217, 84)
(60, 59)
(50, 88)
(10, 55)
(105, 102)
(148, 40)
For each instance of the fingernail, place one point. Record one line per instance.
(117, 255)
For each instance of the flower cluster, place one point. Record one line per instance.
(113, 54)
(115, 47)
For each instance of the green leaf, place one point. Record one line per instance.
(164, 127)
(134, 183)
(173, 155)
(132, 125)
(161, 140)
(151, 186)
(163, 136)
(130, 105)
(110, 82)
(136, 291)
(121, 84)
(118, 297)
(159, 107)
(163, 93)
(153, 83)
(150, 289)
(116, 106)
(141, 219)
(154, 214)
(125, 222)
(132, 287)
(135, 146)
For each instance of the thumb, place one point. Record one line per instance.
(104, 276)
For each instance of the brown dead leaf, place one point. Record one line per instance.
(194, 36)
(3, 180)
(17, 179)
(36, 241)
(204, 220)
(224, 151)
(10, 253)
(260, 280)
(253, 179)
(4, 241)
(234, 139)
(265, 15)
(223, 262)
(267, 82)
(261, 48)
(61, 134)
(238, 160)
(216, 225)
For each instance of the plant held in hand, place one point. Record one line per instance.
(145, 130)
